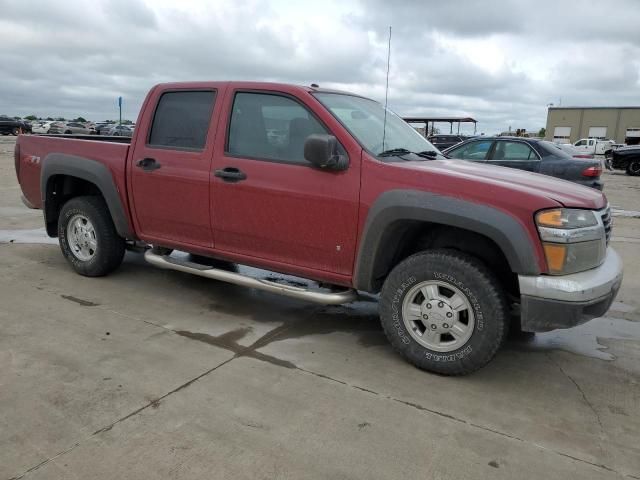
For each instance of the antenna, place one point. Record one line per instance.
(386, 92)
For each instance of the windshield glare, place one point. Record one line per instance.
(364, 118)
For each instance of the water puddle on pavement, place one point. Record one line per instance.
(585, 339)
(38, 235)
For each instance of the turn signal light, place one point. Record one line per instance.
(556, 255)
(592, 171)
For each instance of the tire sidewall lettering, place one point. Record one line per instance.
(396, 309)
(477, 309)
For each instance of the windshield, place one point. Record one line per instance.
(364, 118)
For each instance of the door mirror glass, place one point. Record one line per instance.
(322, 151)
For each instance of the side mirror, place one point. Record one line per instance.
(322, 152)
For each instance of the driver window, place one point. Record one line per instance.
(270, 127)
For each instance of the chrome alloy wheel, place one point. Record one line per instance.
(438, 316)
(81, 237)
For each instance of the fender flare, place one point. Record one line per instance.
(93, 172)
(412, 205)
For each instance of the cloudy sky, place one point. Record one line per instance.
(500, 62)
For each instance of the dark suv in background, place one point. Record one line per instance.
(13, 126)
(442, 142)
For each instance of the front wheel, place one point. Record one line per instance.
(633, 168)
(444, 311)
(15, 131)
(88, 239)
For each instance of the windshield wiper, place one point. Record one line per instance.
(430, 154)
(399, 152)
(394, 152)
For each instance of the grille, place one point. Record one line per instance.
(607, 222)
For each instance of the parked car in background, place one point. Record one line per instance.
(442, 142)
(627, 158)
(529, 154)
(103, 128)
(42, 127)
(11, 126)
(595, 146)
(120, 131)
(571, 150)
(69, 128)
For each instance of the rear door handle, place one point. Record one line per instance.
(148, 164)
(230, 174)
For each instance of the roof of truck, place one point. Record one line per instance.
(252, 85)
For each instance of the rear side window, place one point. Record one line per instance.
(182, 120)
(513, 151)
(472, 151)
(270, 127)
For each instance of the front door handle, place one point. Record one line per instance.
(148, 164)
(230, 174)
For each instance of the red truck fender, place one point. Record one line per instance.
(395, 209)
(57, 177)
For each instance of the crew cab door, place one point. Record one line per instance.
(514, 154)
(269, 204)
(170, 166)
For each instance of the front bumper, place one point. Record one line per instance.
(549, 302)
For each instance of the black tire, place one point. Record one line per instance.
(68, 132)
(633, 168)
(110, 247)
(15, 131)
(477, 284)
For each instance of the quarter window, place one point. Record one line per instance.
(271, 127)
(182, 120)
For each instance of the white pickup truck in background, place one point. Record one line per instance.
(595, 146)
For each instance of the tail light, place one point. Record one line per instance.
(594, 171)
(16, 158)
(583, 156)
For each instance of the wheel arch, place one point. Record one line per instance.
(67, 176)
(402, 222)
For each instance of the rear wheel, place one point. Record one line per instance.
(633, 168)
(15, 131)
(88, 238)
(444, 311)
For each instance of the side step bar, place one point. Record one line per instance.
(317, 296)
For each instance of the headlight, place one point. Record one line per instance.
(573, 240)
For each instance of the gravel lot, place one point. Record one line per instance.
(156, 374)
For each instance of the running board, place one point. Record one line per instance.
(317, 296)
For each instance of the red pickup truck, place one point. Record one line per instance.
(328, 186)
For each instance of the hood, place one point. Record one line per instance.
(567, 193)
